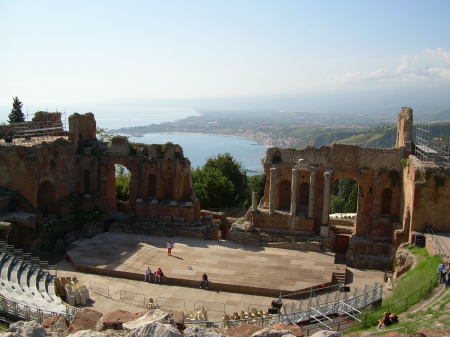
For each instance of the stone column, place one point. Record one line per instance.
(272, 186)
(326, 204)
(312, 186)
(254, 201)
(294, 185)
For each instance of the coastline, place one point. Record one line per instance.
(258, 141)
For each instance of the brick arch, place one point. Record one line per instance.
(284, 195)
(303, 197)
(386, 204)
(152, 185)
(46, 197)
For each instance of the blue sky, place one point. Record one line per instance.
(61, 52)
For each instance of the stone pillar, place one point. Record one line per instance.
(312, 186)
(326, 204)
(272, 187)
(254, 201)
(294, 186)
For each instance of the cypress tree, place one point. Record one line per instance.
(16, 115)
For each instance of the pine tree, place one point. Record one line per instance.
(16, 115)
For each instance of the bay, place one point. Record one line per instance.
(198, 147)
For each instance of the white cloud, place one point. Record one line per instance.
(429, 65)
(439, 53)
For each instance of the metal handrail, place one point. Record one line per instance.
(384, 331)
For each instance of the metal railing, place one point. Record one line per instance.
(130, 296)
(26, 312)
(438, 243)
(100, 289)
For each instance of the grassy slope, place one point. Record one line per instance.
(410, 288)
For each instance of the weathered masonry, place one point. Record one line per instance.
(77, 173)
(391, 201)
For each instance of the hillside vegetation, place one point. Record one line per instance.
(380, 137)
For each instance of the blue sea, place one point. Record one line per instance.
(196, 147)
(199, 147)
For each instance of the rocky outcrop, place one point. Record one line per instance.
(89, 333)
(268, 332)
(57, 324)
(25, 329)
(150, 317)
(86, 319)
(193, 331)
(155, 329)
(404, 261)
(327, 333)
(115, 319)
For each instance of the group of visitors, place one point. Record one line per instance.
(444, 273)
(387, 320)
(156, 276)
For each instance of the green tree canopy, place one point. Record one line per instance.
(352, 201)
(212, 188)
(232, 170)
(16, 115)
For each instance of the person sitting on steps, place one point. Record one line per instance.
(204, 283)
(159, 273)
(384, 321)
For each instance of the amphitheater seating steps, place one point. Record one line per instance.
(23, 281)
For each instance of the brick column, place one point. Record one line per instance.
(272, 187)
(254, 201)
(326, 204)
(312, 186)
(294, 187)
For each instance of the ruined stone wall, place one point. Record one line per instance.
(426, 197)
(63, 176)
(404, 129)
(161, 182)
(26, 169)
(375, 170)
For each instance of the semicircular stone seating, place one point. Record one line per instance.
(25, 282)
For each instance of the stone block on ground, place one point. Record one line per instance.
(326, 333)
(267, 332)
(433, 333)
(293, 328)
(58, 323)
(26, 329)
(151, 316)
(116, 318)
(86, 319)
(155, 329)
(242, 330)
(89, 333)
(194, 331)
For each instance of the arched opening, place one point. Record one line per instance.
(168, 192)
(284, 195)
(303, 198)
(86, 181)
(152, 185)
(387, 201)
(344, 200)
(46, 198)
(122, 180)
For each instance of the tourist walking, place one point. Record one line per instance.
(169, 248)
(148, 275)
(441, 273)
(219, 236)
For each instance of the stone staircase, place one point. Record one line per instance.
(27, 281)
